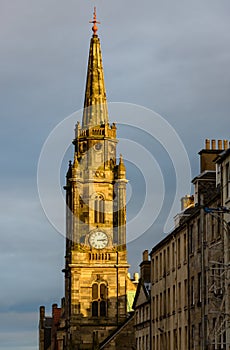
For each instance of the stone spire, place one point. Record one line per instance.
(95, 106)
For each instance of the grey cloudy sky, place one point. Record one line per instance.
(170, 56)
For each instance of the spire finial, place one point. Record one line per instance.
(95, 22)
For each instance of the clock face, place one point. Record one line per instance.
(98, 240)
(98, 146)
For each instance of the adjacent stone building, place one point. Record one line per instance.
(189, 296)
(142, 305)
(223, 183)
(169, 289)
(206, 253)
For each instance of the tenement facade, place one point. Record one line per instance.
(169, 285)
(189, 296)
(142, 305)
(223, 182)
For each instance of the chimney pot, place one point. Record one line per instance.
(42, 316)
(207, 144)
(220, 144)
(146, 255)
(42, 311)
(213, 144)
(225, 144)
(54, 306)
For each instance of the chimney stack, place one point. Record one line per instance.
(146, 255)
(54, 307)
(145, 267)
(42, 316)
(208, 155)
(187, 201)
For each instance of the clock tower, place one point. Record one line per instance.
(96, 257)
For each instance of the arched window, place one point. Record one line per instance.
(99, 300)
(99, 208)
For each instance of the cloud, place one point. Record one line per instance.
(170, 56)
(28, 247)
(18, 331)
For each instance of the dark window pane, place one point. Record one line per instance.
(96, 219)
(102, 291)
(102, 308)
(95, 291)
(95, 308)
(191, 239)
(101, 209)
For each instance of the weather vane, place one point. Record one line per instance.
(95, 22)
